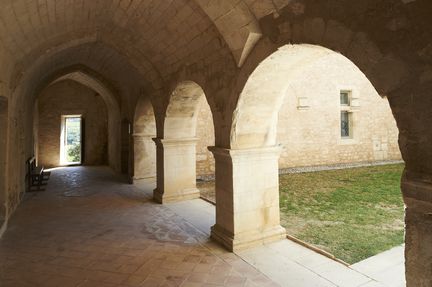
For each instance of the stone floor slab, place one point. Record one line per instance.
(90, 228)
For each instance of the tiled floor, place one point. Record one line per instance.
(90, 229)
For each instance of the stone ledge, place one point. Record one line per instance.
(249, 154)
(303, 169)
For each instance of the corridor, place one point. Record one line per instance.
(90, 229)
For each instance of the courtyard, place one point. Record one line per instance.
(351, 213)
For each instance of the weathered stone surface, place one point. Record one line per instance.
(176, 170)
(245, 219)
(141, 47)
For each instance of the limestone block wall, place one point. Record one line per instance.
(70, 98)
(309, 120)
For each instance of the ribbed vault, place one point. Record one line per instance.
(135, 28)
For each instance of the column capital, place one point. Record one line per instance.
(175, 142)
(142, 137)
(268, 152)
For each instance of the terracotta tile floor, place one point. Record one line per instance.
(90, 229)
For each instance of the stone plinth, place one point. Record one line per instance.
(176, 170)
(247, 197)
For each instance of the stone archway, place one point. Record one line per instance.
(176, 151)
(144, 131)
(255, 123)
(86, 79)
(251, 163)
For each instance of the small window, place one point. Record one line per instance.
(345, 124)
(344, 98)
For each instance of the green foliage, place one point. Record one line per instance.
(73, 139)
(351, 213)
(74, 153)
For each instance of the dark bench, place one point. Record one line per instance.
(36, 175)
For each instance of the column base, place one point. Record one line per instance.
(246, 240)
(151, 178)
(185, 194)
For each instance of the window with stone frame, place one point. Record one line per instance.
(346, 126)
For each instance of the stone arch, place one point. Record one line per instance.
(251, 163)
(254, 124)
(182, 111)
(144, 150)
(176, 150)
(3, 160)
(255, 118)
(90, 80)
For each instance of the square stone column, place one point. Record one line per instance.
(176, 170)
(144, 157)
(417, 192)
(247, 197)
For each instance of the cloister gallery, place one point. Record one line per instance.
(236, 90)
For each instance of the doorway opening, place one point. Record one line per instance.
(71, 140)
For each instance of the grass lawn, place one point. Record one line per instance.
(351, 213)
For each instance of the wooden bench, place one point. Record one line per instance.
(36, 175)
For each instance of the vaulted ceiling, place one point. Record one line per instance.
(155, 36)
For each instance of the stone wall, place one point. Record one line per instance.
(309, 120)
(205, 133)
(71, 98)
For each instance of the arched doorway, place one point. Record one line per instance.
(72, 126)
(108, 101)
(176, 151)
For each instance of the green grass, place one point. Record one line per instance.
(351, 213)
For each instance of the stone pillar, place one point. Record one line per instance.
(417, 191)
(3, 160)
(247, 197)
(176, 170)
(144, 157)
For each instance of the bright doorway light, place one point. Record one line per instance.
(71, 140)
